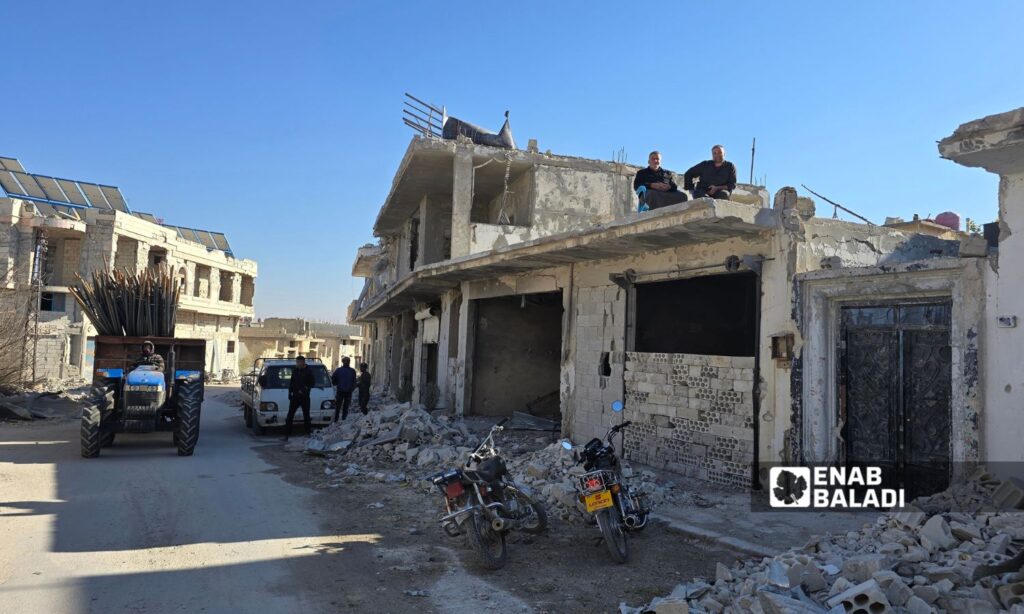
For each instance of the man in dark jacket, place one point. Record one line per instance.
(662, 191)
(364, 388)
(344, 379)
(149, 357)
(716, 177)
(301, 383)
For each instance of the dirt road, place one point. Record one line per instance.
(240, 527)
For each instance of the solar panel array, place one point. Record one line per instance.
(63, 198)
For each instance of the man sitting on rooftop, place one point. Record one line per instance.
(660, 189)
(716, 177)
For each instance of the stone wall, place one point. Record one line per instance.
(692, 414)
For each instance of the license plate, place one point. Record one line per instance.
(598, 501)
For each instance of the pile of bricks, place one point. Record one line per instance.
(958, 551)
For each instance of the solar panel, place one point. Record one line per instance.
(72, 192)
(11, 164)
(206, 239)
(146, 216)
(50, 188)
(8, 183)
(221, 241)
(45, 209)
(29, 185)
(114, 198)
(96, 198)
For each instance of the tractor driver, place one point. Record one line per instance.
(149, 357)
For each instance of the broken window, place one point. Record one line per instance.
(51, 301)
(226, 286)
(414, 242)
(715, 314)
(231, 347)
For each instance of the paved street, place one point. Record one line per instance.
(235, 529)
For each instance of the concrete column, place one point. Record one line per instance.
(462, 201)
(417, 364)
(431, 245)
(443, 344)
(467, 334)
(996, 143)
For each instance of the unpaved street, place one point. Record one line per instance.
(239, 527)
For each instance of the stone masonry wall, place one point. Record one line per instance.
(691, 414)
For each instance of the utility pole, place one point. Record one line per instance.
(753, 148)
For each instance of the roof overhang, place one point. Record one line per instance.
(366, 261)
(995, 143)
(700, 221)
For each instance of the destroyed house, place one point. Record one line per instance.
(52, 230)
(737, 333)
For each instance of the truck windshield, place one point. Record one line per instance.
(279, 377)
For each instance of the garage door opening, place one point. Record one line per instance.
(713, 315)
(516, 355)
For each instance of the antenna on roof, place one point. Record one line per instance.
(753, 148)
(835, 211)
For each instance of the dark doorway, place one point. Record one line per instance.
(715, 314)
(516, 353)
(894, 392)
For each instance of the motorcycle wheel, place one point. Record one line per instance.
(614, 534)
(489, 544)
(538, 518)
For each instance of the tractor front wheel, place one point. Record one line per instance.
(190, 400)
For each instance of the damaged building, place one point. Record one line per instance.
(53, 229)
(292, 337)
(737, 332)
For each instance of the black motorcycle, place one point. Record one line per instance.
(481, 500)
(616, 507)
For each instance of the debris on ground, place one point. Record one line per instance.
(961, 550)
(41, 403)
(422, 444)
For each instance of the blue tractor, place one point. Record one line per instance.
(141, 398)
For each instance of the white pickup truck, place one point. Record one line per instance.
(265, 394)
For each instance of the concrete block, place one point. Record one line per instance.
(861, 567)
(915, 605)
(926, 593)
(936, 535)
(898, 593)
(911, 517)
(864, 598)
(1009, 495)
(1011, 594)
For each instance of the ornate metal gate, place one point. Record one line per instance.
(894, 392)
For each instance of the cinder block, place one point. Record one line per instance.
(864, 598)
(1009, 495)
(1011, 594)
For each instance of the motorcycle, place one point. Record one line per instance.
(617, 508)
(482, 501)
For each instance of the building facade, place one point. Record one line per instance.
(45, 243)
(292, 337)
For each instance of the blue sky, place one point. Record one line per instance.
(279, 123)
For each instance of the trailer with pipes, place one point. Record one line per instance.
(133, 393)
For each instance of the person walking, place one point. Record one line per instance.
(298, 395)
(344, 379)
(364, 388)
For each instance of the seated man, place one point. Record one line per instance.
(662, 191)
(717, 178)
(149, 357)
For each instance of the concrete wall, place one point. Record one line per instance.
(693, 415)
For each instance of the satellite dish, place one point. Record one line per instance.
(616, 406)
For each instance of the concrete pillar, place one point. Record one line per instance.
(417, 364)
(431, 239)
(462, 200)
(444, 341)
(996, 143)
(467, 334)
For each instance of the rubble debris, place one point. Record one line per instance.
(951, 552)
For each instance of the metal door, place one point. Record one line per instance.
(894, 392)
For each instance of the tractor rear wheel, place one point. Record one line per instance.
(190, 400)
(101, 403)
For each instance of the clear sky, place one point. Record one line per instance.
(279, 123)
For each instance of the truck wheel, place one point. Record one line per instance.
(90, 435)
(190, 400)
(257, 428)
(248, 417)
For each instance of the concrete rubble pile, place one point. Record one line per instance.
(397, 433)
(550, 473)
(952, 552)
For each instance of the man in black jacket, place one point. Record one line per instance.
(716, 177)
(298, 395)
(344, 378)
(662, 191)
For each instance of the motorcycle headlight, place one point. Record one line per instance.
(327, 405)
(268, 406)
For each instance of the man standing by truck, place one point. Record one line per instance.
(344, 378)
(301, 383)
(364, 388)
